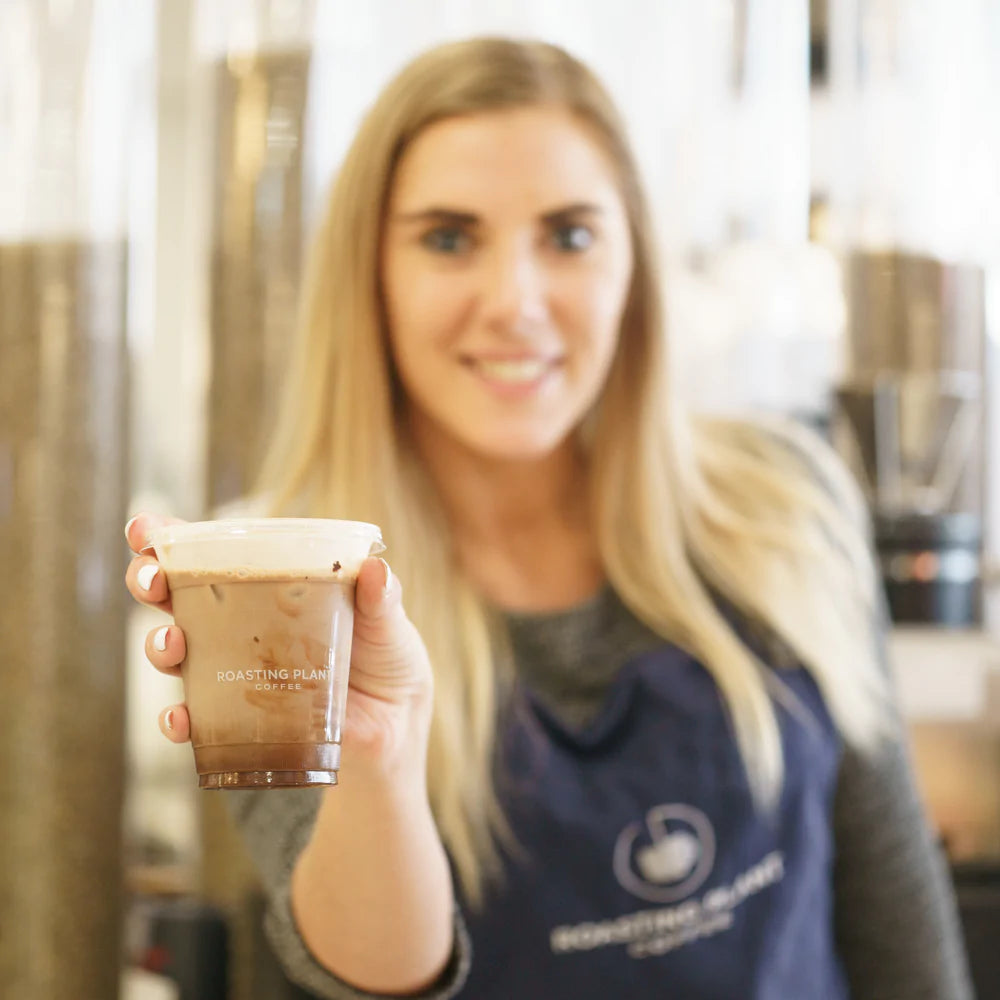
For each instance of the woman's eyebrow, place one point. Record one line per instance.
(446, 216)
(458, 217)
(572, 211)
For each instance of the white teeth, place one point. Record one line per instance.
(513, 371)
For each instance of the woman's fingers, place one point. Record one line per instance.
(147, 583)
(175, 724)
(166, 648)
(144, 578)
(138, 528)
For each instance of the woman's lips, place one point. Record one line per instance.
(513, 377)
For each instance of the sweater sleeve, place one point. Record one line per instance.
(275, 825)
(895, 914)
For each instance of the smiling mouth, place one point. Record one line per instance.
(512, 371)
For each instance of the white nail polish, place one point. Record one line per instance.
(145, 575)
(168, 720)
(387, 586)
(160, 638)
(128, 527)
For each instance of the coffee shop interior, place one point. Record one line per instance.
(825, 179)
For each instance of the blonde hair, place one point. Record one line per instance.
(685, 510)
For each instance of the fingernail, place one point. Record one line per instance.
(128, 526)
(168, 720)
(145, 575)
(387, 586)
(160, 638)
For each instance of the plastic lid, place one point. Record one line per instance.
(268, 543)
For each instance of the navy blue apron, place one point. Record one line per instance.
(644, 869)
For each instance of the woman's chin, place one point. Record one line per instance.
(521, 446)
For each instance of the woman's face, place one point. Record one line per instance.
(506, 264)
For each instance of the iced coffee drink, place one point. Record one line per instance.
(267, 609)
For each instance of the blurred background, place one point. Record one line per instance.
(826, 183)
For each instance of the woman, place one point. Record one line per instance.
(632, 735)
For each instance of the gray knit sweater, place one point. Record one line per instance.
(895, 917)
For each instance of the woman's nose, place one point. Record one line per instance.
(515, 294)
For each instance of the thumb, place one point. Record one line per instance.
(378, 592)
(385, 641)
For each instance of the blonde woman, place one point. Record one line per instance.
(632, 735)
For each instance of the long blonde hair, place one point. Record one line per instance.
(685, 510)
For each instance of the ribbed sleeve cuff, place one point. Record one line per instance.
(302, 968)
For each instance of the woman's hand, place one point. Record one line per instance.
(165, 646)
(389, 703)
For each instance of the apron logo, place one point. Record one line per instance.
(669, 856)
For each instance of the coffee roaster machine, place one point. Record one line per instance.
(911, 418)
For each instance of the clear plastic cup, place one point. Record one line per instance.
(267, 609)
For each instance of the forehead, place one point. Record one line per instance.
(535, 156)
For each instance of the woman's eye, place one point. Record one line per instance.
(446, 240)
(573, 238)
